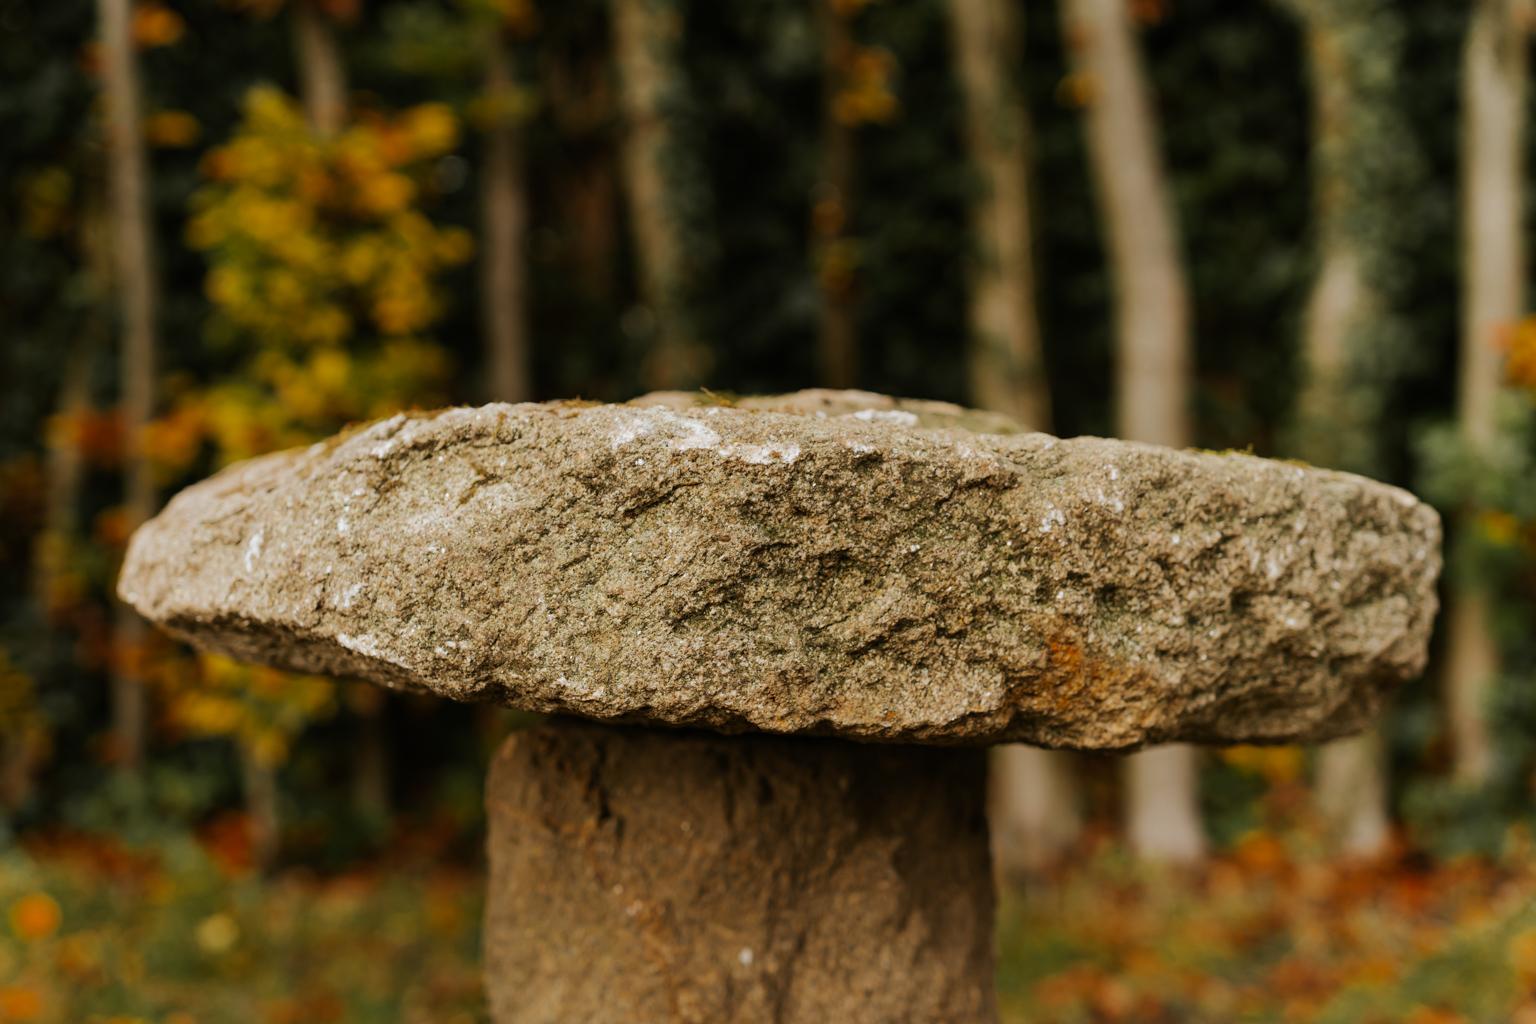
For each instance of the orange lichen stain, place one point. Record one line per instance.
(1076, 678)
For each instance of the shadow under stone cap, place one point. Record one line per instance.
(835, 563)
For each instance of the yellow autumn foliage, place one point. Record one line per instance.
(325, 274)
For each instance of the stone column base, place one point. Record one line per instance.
(653, 876)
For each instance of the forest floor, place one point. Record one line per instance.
(183, 932)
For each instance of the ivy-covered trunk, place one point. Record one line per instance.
(1152, 341)
(1494, 85)
(1353, 345)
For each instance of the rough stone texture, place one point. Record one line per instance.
(641, 875)
(828, 562)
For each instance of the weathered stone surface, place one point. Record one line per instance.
(641, 875)
(853, 566)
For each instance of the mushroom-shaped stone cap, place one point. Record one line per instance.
(835, 563)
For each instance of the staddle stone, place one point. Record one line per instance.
(832, 563)
(639, 875)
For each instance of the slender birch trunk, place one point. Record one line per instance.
(837, 341)
(133, 246)
(1494, 85)
(1152, 331)
(322, 75)
(646, 34)
(1034, 814)
(504, 220)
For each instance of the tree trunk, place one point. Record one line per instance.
(22, 748)
(133, 245)
(1347, 316)
(837, 346)
(577, 89)
(322, 75)
(259, 780)
(1034, 809)
(370, 762)
(1352, 794)
(1007, 365)
(1493, 298)
(1034, 805)
(503, 273)
(1152, 337)
(323, 89)
(645, 43)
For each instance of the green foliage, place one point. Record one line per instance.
(1491, 491)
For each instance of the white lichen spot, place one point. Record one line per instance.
(914, 549)
(745, 956)
(1111, 502)
(348, 596)
(694, 434)
(365, 645)
(1177, 540)
(899, 417)
(342, 526)
(253, 549)
(1053, 518)
(1114, 472)
(859, 448)
(760, 454)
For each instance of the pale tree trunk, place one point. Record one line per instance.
(504, 213)
(1347, 315)
(133, 245)
(1350, 783)
(1352, 794)
(1034, 812)
(322, 75)
(1152, 337)
(837, 341)
(1034, 809)
(646, 35)
(1493, 298)
(1007, 366)
(323, 92)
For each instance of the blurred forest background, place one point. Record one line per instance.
(227, 226)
